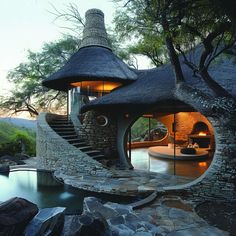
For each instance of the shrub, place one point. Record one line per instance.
(16, 140)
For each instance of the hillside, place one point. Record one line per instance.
(29, 124)
(17, 139)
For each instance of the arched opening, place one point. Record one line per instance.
(186, 149)
(147, 130)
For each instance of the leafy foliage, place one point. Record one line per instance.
(28, 94)
(140, 129)
(177, 27)
(15, 140)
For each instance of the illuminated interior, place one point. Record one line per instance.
(96, 86)
(202, 134)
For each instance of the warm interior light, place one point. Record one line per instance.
(96, 86)
(202, 164)
(148, 115)
(202, 133)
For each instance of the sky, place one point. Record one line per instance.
(27, 24)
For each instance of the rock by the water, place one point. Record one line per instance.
(71, 226)
(48, 221)
(4, 168)
(93, 204)
(10, 160)
(15, 214)
(93, 224)
(86, 224)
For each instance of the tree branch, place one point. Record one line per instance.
(207, 42)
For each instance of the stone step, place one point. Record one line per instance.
(75, 141)
(98, 157)
(61, 122)
(85, 148)
(93, 153)
(69, 136)
(66, 133)
(61, 126)
(79, 144)
(63, 129)
(62, 118)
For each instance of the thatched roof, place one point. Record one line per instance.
(90, 63)
(94, 60)
(155, 88)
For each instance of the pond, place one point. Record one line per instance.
(43, 189)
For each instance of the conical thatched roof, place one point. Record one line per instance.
(94, 60)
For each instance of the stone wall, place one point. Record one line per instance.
(55, 153)
(102, 138)
(219, 181)
(184, 124)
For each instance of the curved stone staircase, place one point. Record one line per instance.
(65, 128)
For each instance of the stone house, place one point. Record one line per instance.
(105, 97)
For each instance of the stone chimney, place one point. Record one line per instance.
(94, 33)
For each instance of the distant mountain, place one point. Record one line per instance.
(29, 124)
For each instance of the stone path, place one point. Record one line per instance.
(166, 216)
(123, 182)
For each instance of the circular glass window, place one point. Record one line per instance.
(102, 120)
(145, 129)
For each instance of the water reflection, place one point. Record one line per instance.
(40, 188)
(191, 168)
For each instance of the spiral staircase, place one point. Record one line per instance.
(65, 128)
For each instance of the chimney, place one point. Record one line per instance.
(94, 33)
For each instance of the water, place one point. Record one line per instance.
(40, 188)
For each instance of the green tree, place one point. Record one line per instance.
(178, 26)
(27, 94)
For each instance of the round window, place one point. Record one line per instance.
(102, 120)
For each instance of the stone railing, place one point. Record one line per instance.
(55, 153)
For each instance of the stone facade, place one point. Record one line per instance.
(184, 125)
(100, 137)
(55, 153)
(219, 181)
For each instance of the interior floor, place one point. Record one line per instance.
(192, 168)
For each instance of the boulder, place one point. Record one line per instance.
(48, 221)
(71, 226)
(15, 214)
(93, 205)
(87, 224)
(93, 224)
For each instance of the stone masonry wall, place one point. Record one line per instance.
(55, 153)
(184, 124)
(219, 181)
(99, 137)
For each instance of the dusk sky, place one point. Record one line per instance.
(27, 24)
